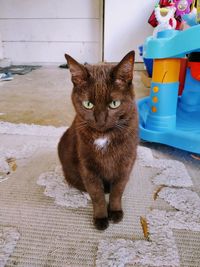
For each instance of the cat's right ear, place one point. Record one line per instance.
(78, 71)
(123, 72)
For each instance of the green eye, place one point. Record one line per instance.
(87, 104)
(115, 104)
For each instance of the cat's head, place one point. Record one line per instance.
(103, 94)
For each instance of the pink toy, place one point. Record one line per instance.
(183, 7)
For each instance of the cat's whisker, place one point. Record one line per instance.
(81, 125)
(119, 128)
(125, 129)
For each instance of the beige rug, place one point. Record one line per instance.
(43, 222)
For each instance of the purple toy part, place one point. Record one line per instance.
(182, 7)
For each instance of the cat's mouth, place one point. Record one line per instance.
(107, 128)
(101, 128)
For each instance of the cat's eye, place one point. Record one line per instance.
(87, 104)
(115, 104)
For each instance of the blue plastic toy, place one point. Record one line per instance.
(165, 116)
(147, 61)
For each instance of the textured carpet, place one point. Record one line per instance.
(52, 223)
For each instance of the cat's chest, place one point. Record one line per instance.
(102, 143)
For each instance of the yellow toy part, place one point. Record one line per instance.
(166, 70)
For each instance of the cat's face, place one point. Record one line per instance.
(103, 94)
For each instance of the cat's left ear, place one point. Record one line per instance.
(124, 70)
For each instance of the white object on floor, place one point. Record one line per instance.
(57, 187)
(5, 154)
(28, 149)
(26, 129)
(4, 169)
(8, 240)
(170, 172)
(23, 152)
(187, 203)
(6, 76)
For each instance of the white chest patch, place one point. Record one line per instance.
(101, 143)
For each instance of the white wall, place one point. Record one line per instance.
(126, 26)
(42, 31)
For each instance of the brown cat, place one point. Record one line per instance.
(98, 151)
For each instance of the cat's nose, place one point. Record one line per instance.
(100, 118)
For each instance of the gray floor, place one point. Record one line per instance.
(43, 97)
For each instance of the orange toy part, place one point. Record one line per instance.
(195, 70)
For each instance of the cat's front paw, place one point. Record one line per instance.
(101, 223)
(115, 215)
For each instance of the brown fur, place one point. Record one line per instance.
(97, 170)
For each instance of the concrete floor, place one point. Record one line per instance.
(43, 97)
